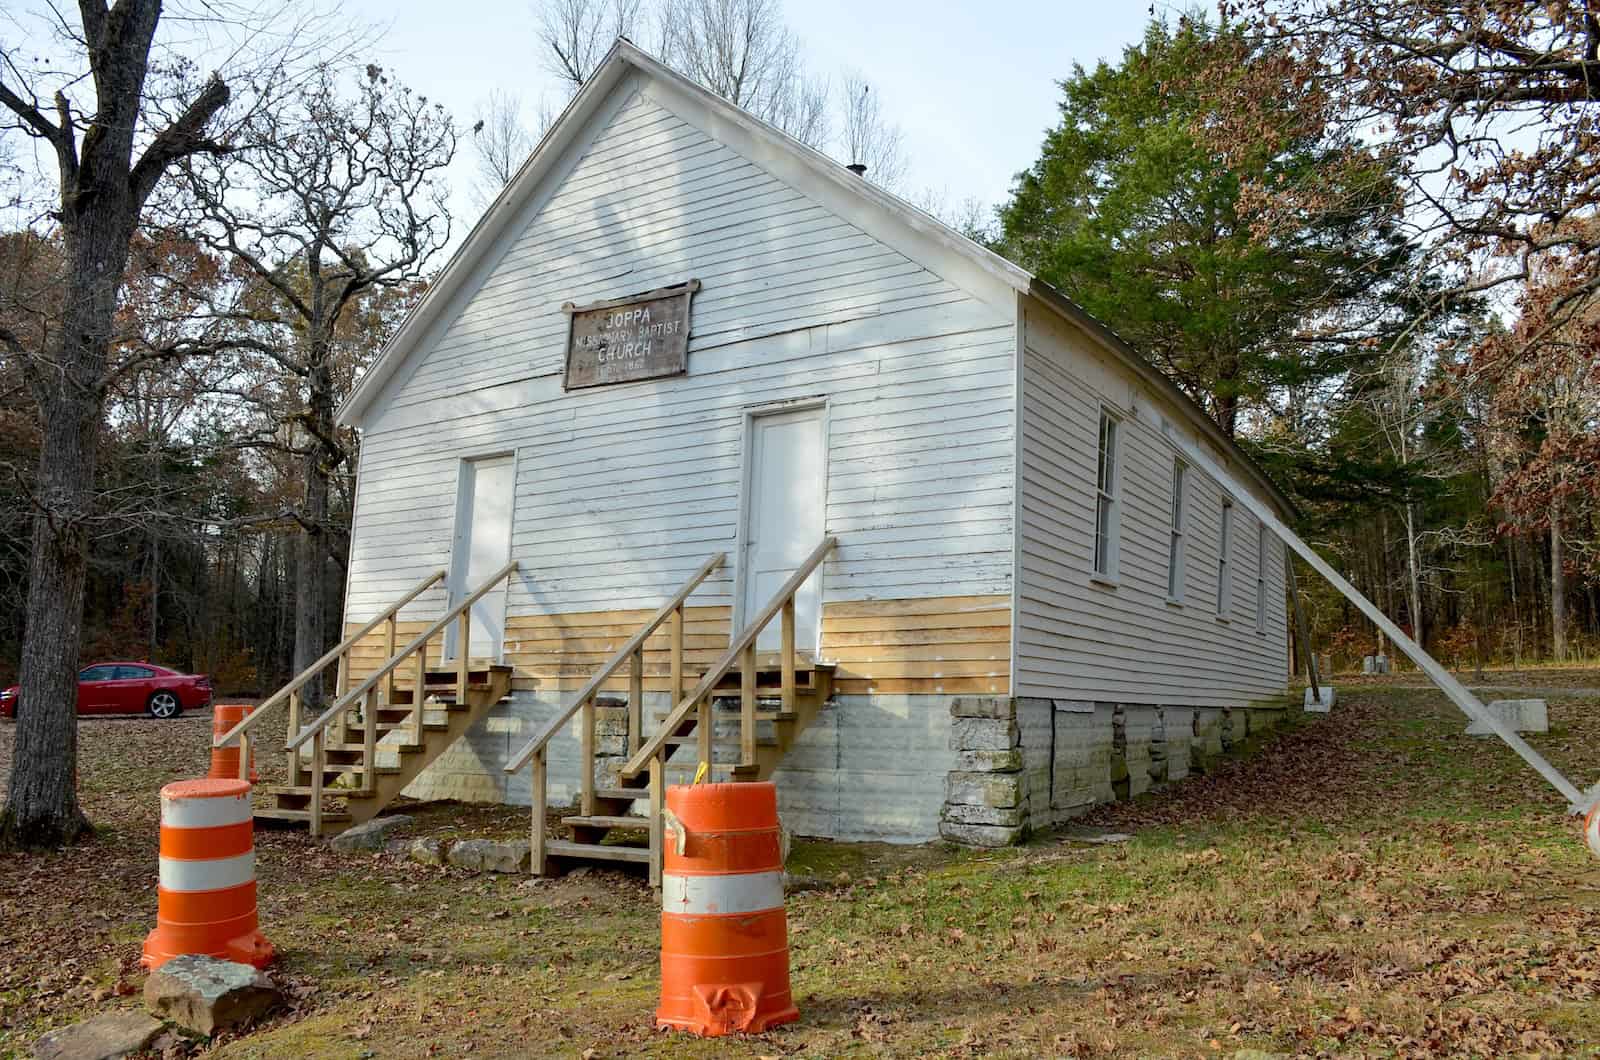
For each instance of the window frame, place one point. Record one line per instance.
(1107, 499)
(1177, 530)
(1225, 561)
(1261, 577)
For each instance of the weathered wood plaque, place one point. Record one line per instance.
(642, 336)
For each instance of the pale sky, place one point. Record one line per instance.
(972, 85)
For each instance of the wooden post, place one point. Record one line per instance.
(317, 763)
(586, 756)
(244, 757)
(388, 653)
(747, 706)
(537, 798)
(419, 693)
(294, 730)
(658, 796)
(703, 733)
(787, 662)
(677, 655)
(636, 702)
(369, 741)
(463, 655)
(341, 685)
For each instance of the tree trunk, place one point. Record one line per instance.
(1415, 580)
(1558, 588)
(42, 800)
(311, 554)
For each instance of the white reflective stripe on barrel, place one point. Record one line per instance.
(205, 813)
(745, 892)
(214, 875)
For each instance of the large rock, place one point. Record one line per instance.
(983, 707)
(206, 995)
(981, 835)
(371, 836)
(108, 1036)
(487, 855)
(989, 761)
(983, 789)
(428, 850)
(1005, 816)
(1519, 715)
(984, 734)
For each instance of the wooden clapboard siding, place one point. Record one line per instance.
(623, 491)
(1078, 639)
(927, 646)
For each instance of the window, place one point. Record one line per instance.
(1106, 514)
(1261, 577)
(1175, 544)
(99, 673)
(1224, 564)
(134, 673)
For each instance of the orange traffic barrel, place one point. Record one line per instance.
(206, 901)
(724, 938)
(1591, 829)
(225, 760)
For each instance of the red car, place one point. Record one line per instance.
(130, 688)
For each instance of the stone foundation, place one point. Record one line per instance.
(1025, 764)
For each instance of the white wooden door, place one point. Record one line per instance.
(784, 500)
(482, 546)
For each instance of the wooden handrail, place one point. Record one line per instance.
(317, 667)
(555, 724)
(745, 640)
(398, 657)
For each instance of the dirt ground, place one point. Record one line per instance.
(1369, 883)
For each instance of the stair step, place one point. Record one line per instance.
(328, 816)
(693, 740)
(356, 767)
(733, 714)
(405, 726)
(305, 790)
(622, 793)
(355, 748)
(599, 820)
(557, 848)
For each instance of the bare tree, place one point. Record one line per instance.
(110, 153)
(501, 142)
(744, 52)
(577, 34)
(332, 201)
(867, 138)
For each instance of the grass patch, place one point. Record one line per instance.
(1370, 882)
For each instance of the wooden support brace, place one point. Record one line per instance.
(586, 757)
(388, 653)
(537, 778)
(341, 685)
(369, 741)
(657, 830)
(787, 691)
(318, 764)
(747, 706)
(636, 702)
(294, 730)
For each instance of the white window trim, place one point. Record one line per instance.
(1111, 493)
(1261, 578)
(1177, 530)
(1225, 560)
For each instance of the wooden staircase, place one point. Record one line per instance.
(739, 719)
(365, 786)
(344, 782)
(614, 831)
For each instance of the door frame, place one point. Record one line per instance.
(747, 439)
(462, 460)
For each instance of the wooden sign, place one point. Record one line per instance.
(642, 336)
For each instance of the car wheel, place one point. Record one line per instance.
(164, 705)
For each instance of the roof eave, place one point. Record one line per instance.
(1115, 345)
